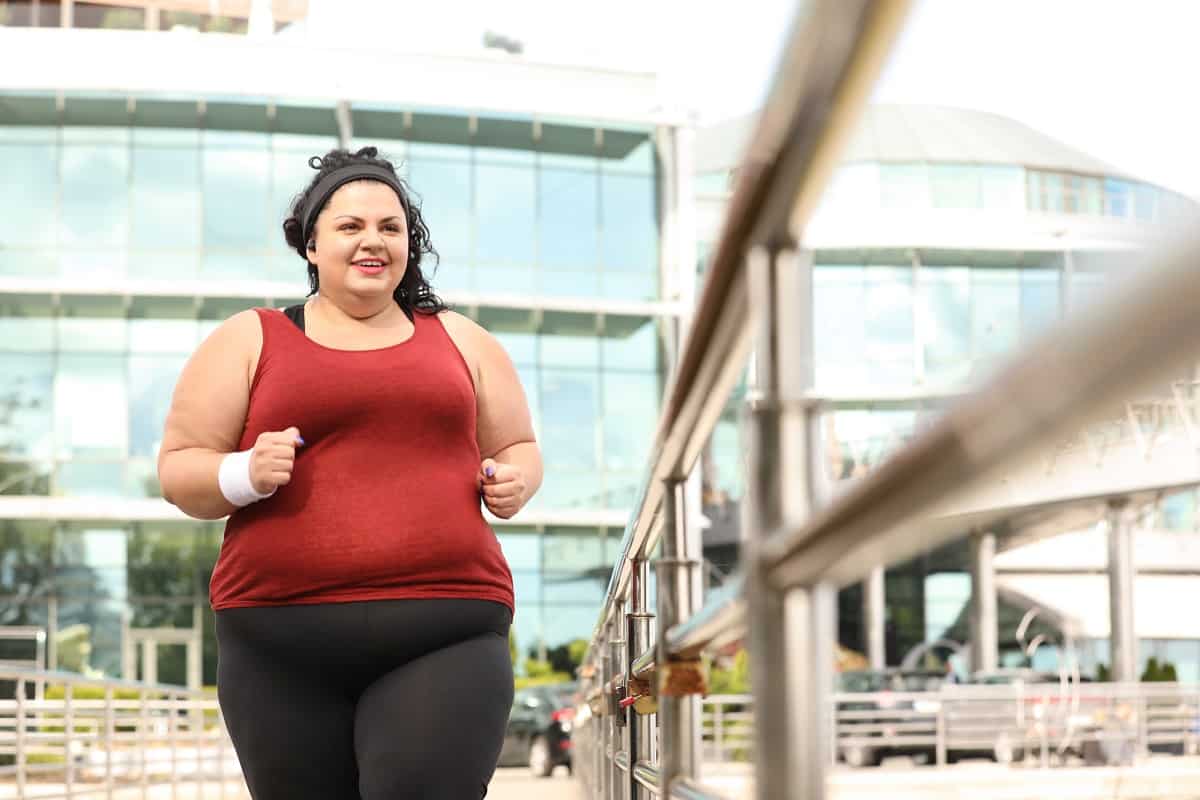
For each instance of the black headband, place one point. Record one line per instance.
(339, 177)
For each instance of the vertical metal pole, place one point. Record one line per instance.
(811, 632)
(603, 772)
(921, 319)
(69, 733)
(617, 667)
(874, 613)
(20, 737)
(1066, 299)
(149, 661)
(1120, 591)
(109, 731)
(641, 730)
(984, 624)
(52, 632)
(792, 637)
(678, 577)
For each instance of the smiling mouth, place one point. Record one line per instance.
(370, 266)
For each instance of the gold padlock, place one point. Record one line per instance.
(646, 704)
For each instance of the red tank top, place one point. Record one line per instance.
(382, 503)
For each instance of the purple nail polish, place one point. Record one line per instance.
(300, 441)
(489, 472)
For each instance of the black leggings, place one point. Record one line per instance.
(377, 700)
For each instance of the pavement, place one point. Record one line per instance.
(515, 783)
(509, 783)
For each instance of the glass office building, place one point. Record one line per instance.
(133, 223)
(946, 240)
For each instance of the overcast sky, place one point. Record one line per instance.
(1113, 78)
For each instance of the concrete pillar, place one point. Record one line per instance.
(1121, 572)
(984, 620)
(874, 610)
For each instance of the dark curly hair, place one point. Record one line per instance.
(414, 294)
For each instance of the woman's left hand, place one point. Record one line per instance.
(502, 487)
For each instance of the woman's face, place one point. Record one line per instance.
(360, 244)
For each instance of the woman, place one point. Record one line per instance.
(362, 602)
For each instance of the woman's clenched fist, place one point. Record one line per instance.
(272, 458)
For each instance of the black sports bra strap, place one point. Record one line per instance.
(296, 315)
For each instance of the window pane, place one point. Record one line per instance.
(996, 312)
(166, 198)
(838, 326)
(1039, 299)
(626, 349)
(92, 334)
(28, 218)
(505, 207)
(1117, 198)
(1002, 188)
(151, 382)
(889, 324)
(445, 191)
(26, 422)
(955, 186)
(95, 208)
(946, 302)
(565, 350)
(630, 419)
(904, 185)
(569, 218)
(91, 409)
(570, 409)
(630, 223)
(236, 204)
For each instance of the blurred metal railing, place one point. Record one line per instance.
(1098, 723)
(65, 736)
(643, 674)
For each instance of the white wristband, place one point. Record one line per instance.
(234, 479)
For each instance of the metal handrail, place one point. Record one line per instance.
(833, 55)
(1068, 378)
(834, 51)
(155, 735)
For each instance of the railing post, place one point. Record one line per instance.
(1121, 571)
(143, 742)
(718, 723)
(617, 666)
(110, 725)
(678, 590)
(875, 611)
(603, 772)
(69, 733)
(983, 620)
(791, 635)
(20, 737)
(641, 726)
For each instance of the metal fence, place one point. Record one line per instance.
(1042, 724)
(644, 672)
(65, 736)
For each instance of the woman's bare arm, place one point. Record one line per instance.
(207, 416)
(504, 426)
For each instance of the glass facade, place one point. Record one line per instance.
(85, 583)
(114, 192)
(931, 323)
(912, 186)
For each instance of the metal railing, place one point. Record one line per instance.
(65, 736)
(1040, 724)
(643, 673)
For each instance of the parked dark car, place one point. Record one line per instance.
(891, 718)
(539, 728)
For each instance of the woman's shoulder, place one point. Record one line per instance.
(462, 329)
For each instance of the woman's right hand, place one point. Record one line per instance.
(272, 458)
